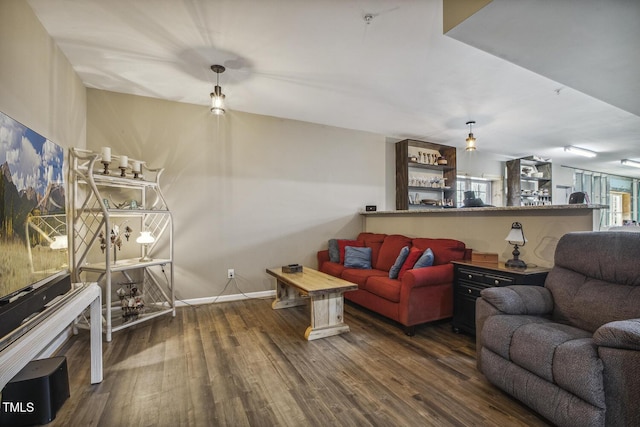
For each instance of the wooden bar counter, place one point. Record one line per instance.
(484, 228)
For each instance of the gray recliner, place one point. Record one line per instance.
(570, 350)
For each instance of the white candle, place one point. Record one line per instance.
(136, 166)
(124, 161)
(106, 154)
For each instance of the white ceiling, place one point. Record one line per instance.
(577, 80)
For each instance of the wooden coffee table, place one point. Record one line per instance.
(325, 293)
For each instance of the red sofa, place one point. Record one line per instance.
(422, 295)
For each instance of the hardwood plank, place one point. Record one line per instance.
(243, 364)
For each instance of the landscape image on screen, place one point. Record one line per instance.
(33, 230)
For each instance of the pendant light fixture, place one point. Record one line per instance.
(217, 97)
(471, 141)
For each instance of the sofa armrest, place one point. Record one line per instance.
(427, 276)
(519, 299)
(623, 334)
(323, 256)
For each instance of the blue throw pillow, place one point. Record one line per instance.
(426, 260)
(395, 269)
(357, 257)
(334, 251)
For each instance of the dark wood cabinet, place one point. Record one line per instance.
(471, 278)
(420, 181)
(529, 181)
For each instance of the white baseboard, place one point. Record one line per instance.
(225, 298)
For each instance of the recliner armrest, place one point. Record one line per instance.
(623, 334)
(519, 299)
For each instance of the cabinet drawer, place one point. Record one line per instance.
(470, 289)
(471, 276)
(486, 278)
(494, 280)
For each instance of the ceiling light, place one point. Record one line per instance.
(628, 162)
(217, 97)
(580, 151)
(471, 141)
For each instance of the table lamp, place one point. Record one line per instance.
(145, 239)
(516, 238)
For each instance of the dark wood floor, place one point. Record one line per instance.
(244, 364)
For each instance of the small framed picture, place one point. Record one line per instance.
(106, 203)
(133, 205)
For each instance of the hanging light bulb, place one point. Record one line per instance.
(471, 141)
(217, 97)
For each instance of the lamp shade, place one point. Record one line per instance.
(516, 234)
(145, 238)
(471, 140)
(217, 101)
(471, 143)
(217, 97)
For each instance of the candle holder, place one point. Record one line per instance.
(123, 171)
(106, 167)
(136, 168)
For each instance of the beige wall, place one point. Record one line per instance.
(247, 191)
(485, 230)
(38, 87)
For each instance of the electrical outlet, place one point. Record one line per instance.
(231, 273)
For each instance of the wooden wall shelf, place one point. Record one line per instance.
(404, 166)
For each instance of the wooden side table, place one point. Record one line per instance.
(471, 278)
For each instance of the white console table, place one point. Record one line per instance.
(25, 348)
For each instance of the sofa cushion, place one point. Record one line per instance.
(444, 250)
(400, 259)
(334, 251)
(609, 275)
(549, 400)
(357, 257)
(384, 287)
(412, 258)
(498, 331)
(373, 241)
(555, 352)
(533, 346)
(574, 294)
(343, 243)
(425, 260)
(578, 368)
(360, 276)
(389, 251)
(334, 269)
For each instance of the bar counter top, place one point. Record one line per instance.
(487, 209)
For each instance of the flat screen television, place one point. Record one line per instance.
(33, 222)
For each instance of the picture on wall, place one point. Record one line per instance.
(33, 226)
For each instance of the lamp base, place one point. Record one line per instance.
(515, 263)
(146, 259)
